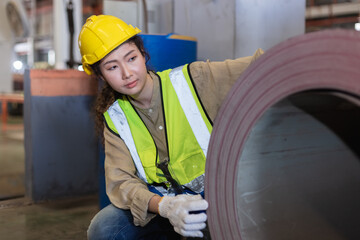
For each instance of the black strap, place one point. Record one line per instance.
(174, 184)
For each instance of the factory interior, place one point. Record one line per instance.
(51, 161)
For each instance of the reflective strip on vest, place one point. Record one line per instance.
(118, 118)
(190, 108)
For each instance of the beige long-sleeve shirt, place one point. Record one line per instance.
(212, 80)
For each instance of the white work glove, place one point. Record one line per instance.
(177, 209)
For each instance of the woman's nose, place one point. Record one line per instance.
(126, 72)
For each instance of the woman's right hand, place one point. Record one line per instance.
(180, 210)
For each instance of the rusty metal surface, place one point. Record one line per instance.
(256, 191)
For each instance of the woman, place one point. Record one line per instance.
(157, 129)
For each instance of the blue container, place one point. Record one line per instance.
(166, 51)
(169, 51)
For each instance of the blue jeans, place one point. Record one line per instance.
(115, 224)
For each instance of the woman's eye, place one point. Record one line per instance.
(112, 68)
(132, 59)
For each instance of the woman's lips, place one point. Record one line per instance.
(131, 84)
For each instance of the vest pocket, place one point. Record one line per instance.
(186, 169)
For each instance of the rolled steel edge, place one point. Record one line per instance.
(322, 60)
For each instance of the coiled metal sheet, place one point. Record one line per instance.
(283, 160)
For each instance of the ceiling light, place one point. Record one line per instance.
(17, 65)
(357, 26)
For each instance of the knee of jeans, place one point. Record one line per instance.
(108, 224)
(94, 230)
(98, 226)
(97, 231)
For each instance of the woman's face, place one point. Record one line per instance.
(125, 70)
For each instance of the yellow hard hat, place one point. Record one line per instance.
(100, 35)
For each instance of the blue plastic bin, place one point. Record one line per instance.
(169, 51)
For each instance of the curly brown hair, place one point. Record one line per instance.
(107, 95)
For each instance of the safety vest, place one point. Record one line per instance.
(187, 130)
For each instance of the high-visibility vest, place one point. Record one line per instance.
(187, 130)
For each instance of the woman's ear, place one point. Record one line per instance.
(100, 76)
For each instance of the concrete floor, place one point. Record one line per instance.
(62, 219)
(20, 218)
